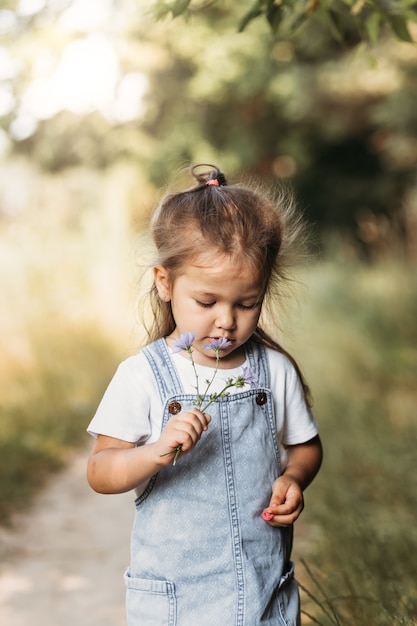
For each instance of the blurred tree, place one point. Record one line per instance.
(331, 114)
(306, 109)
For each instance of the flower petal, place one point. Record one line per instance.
(217, 344)
(250, 377)
(184, 342)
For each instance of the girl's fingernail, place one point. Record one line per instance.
(266, 516)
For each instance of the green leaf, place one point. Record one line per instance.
(179, 7)
(331, 19)
(400, 28)
(252, 14)
(372, 26)
(159, 11)
(274, 17)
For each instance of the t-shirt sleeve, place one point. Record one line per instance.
(124, 411)
(295, 421)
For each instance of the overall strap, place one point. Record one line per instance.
(163, 369)
(258, 362)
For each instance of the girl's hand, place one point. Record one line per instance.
(287, 499)
(182, 430)
(286, 502)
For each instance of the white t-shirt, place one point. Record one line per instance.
(131, 407)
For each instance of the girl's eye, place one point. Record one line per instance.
(243, 307)
(205, 305)
(248, 307)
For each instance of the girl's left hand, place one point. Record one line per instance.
(287, 499)
(286, 502)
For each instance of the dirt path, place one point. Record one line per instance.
(62, 564)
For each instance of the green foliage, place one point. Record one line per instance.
(62, 285)
(45, 407)
(285, 17)
(161, 9)
(358, 349)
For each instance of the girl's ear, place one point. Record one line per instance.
(162, 282)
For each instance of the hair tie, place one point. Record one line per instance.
(212, 176)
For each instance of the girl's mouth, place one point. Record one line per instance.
(217, 338)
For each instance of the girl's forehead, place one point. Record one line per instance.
(217, 264)
(212, 259)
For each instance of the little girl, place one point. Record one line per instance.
(210, 422)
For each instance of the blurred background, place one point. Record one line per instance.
(102, 103)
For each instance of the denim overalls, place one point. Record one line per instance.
(201, 555)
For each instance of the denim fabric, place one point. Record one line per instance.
(201, 554)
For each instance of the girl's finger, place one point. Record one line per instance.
(196, 419)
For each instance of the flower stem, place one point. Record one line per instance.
(190, 352)
(176, 451)
(202, 398)
(217, 395)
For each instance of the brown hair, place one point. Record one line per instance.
(240, 221)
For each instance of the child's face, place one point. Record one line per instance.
(214, 296)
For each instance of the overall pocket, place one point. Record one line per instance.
(149, 602)
(289, 599)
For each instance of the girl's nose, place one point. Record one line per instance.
(226, 319)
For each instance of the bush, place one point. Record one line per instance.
(358, 348)
(45, 405)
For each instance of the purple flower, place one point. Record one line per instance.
(184, 342)
(249, 376)
(217, 344)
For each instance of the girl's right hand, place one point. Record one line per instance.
(182, 430)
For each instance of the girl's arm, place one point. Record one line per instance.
(287, 499)
(116, 466)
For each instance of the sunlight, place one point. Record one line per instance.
(86, 77)
(29, 7)
(83, 81)
(85, 16)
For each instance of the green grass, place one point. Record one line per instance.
(65, 271)
(45, 406)
(359, 351)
